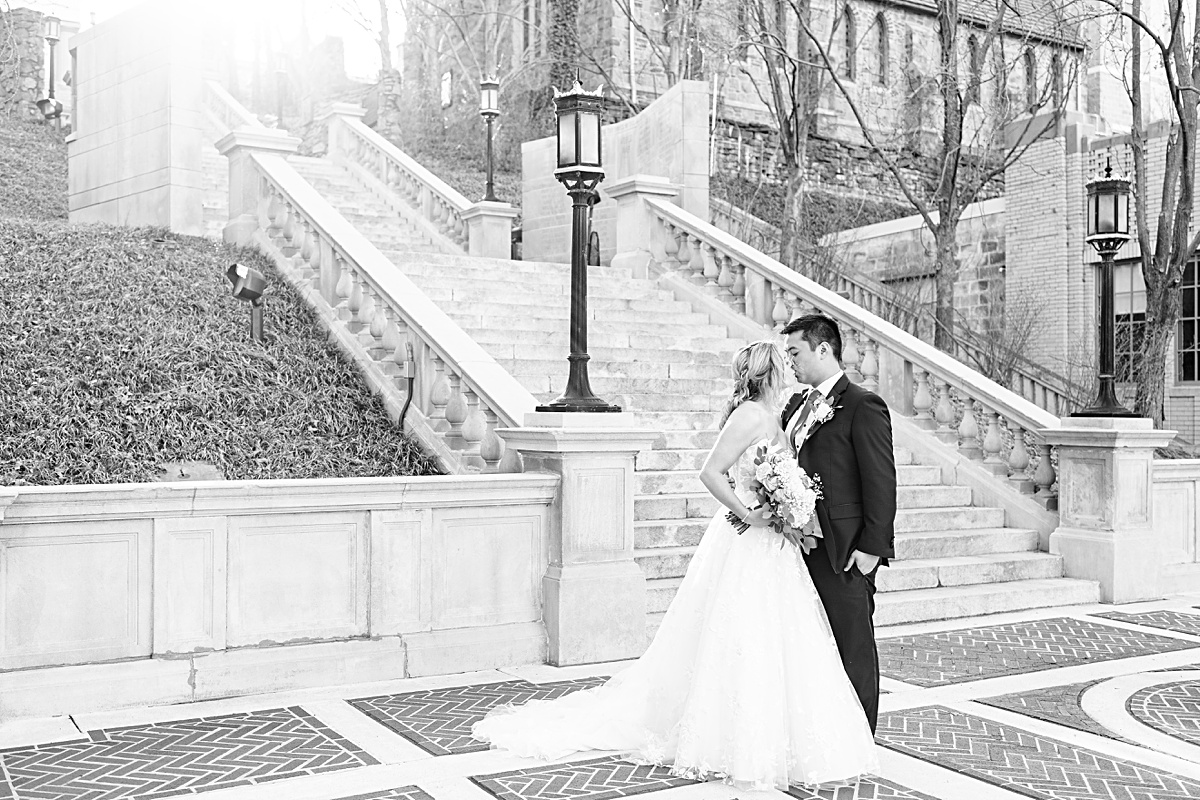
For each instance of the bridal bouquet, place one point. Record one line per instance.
(788, 493)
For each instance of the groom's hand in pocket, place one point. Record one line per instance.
(865, 562)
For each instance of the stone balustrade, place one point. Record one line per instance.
(225, 112)
(375, 313)
(986, 422)
(1030, 380)
(479, 229)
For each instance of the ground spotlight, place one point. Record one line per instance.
(249, 285)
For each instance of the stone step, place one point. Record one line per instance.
(680, 459)
(948, 602)
(966, 570)
(549, 283)
(477, 294)
(603, 385)
(932, 496)
(665, 402)
(664, 562)
(940, 519)
(481, 269)
(659, 594)
(680, 505)
(685, 440)
(924, 545)
(560, 315)
(910, 517)
(665, 482)
(658, 533)
(686, 458)
(921, 605)
(673, 421)
(630, 369)
(917, 475)
(600, 325)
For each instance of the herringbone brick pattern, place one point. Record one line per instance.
(1058, 704)
(1173, 708)
(595, 779)
(1022, 761)
(439, 720)
(1167, 620)
(936, 659)
(869, 788)
(402, 793)
(173, 758)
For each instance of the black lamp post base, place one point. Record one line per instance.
(1106, 404)
(593, 405)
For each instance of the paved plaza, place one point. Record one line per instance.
(1070, 703)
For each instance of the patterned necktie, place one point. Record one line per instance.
(802, 417)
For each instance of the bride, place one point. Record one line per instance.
(743, 681)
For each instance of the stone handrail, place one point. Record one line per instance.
(436, 201)
(913, 376)
(226, 111)
(1045, 388)
(381, 316)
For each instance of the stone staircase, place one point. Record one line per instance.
(666, 364)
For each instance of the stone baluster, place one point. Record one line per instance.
(274, 221)
(696, 264)
(314, 260)
(306, 248)
(683, 250)
(739, 287)
(944, 414)
(456, 412)
(293, 232)
(439, 396)
(711, 271)
(376, 322)
(491, 449)
(993, 445)
(779, 313)
(389, 340)
(850, 355)
(344, 287)
(670, 245)
(354, 304)
(870, 365)
(1044, 478)
(724, 275)
(968, 432)
(795, 305)
(1018, 460)
(923, 401)
(473, 430)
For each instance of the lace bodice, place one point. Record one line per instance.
(742, 470)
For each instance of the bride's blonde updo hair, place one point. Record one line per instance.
(758, 372)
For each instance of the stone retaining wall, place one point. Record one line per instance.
(22, 50)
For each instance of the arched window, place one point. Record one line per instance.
(879, 45)
(848, 40)
(975, 64)
(1031, 87)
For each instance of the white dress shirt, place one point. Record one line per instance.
(827, 385)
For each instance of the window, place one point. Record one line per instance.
(844, 46)
(1056, 75)
(975, 63)
(878, 56)
(1031, 87)
(743, 31)
(531, 25)
(1187, 338)
(1129, 309)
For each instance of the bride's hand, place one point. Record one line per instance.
(758, 518)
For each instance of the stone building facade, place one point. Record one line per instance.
(25, 64)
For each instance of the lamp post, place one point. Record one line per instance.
(579, 170)
(489, 109)
(1107, 231)
(51, 108)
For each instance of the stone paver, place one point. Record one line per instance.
(948, 731)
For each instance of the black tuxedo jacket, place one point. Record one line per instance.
(852, 453)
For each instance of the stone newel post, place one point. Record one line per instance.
(634, 224)
(489, 229)
(594, 593)
(238, 146)
(1106, 514)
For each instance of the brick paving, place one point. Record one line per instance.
(969, 654)
(1170, 620)
(945, 748)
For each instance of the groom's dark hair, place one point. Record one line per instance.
(817, 328)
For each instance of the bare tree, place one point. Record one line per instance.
(1167, 247)
(377, 21)
(970, 156)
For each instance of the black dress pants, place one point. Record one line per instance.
(849, 600)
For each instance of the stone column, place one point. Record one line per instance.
(489, 229)
(594, 593)
(1106, 519)
(635, 225)
(336, 113)
(238, 146)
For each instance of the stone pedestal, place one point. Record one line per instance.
(1106, 533)
(594, 593)
(489, 229)
(634, 227)
(238, 146)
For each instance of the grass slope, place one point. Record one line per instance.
(33, 171)
(118, 353)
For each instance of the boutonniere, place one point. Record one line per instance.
(820, 410)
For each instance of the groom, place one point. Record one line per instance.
(843, 433)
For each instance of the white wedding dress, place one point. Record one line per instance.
(742, 682)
